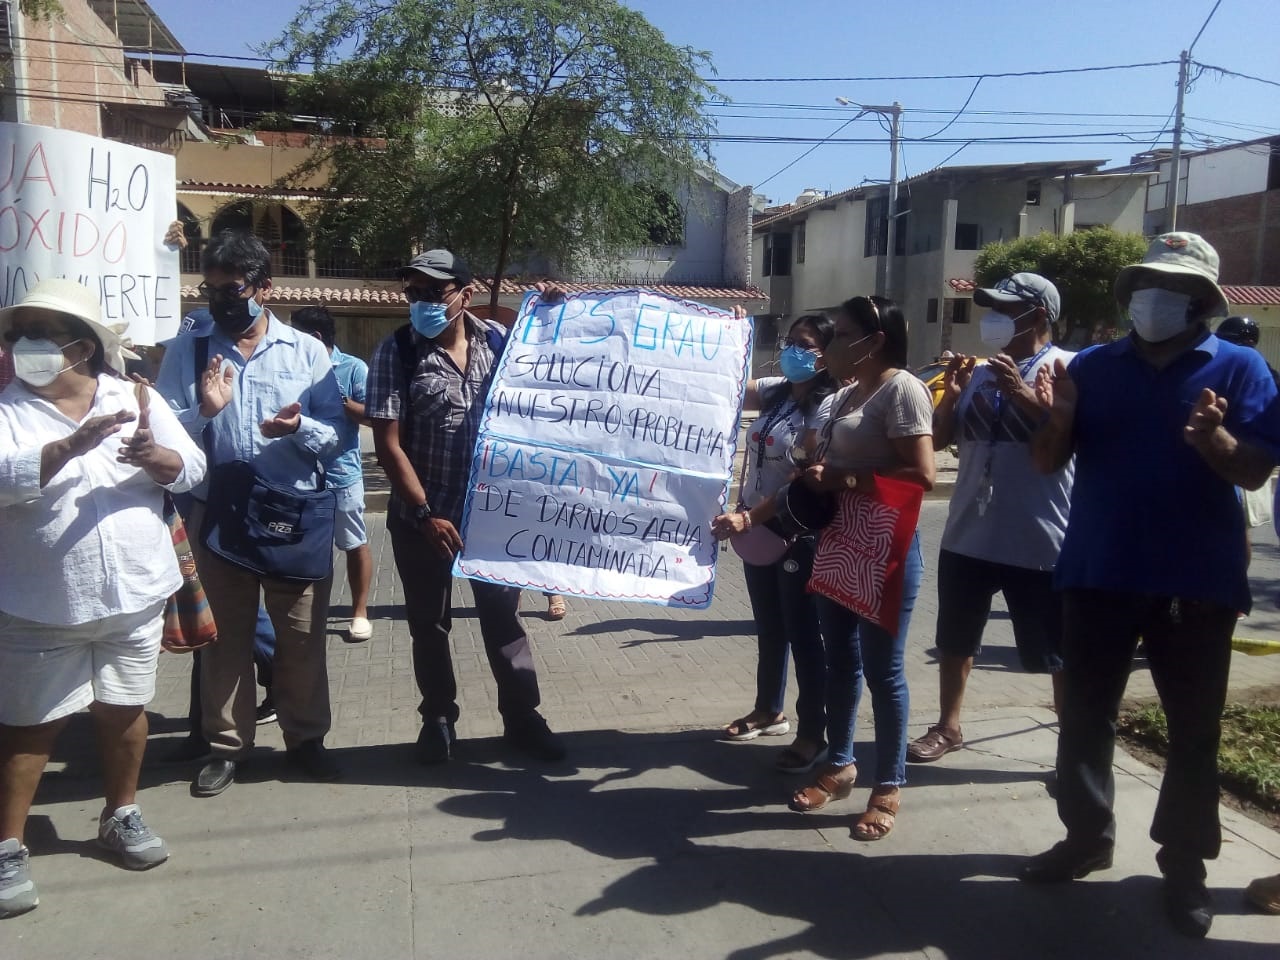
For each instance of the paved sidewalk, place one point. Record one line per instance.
(655, 840)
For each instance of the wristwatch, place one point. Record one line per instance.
(422, 512)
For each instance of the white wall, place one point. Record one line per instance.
(700, 259)
(1227, 173)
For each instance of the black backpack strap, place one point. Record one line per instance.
(201, 355)
(496, 340)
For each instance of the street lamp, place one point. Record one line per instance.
(894, 115)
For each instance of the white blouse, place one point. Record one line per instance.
(93, 542)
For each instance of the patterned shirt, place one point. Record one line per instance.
(439, 433)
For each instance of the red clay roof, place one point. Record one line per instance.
(1251, 296)
(390, 294)
(961, 285)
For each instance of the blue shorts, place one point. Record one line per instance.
(348, 528)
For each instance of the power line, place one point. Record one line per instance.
(942, 76)
(947, 126)
(819, 143)
(1234, 73)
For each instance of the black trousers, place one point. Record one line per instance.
(428, 586)
(1188, 647)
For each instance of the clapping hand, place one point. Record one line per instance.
(1009, 380)
(218, 387)
(96, 429)
(283, 423)
(1206, 417)
(1056, 391)
(959, 373)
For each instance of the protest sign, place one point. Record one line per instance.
(606, 448)
(95, 211)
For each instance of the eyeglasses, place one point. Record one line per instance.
(36, 330)
(421, 293)
(221, 291)
(785, 343)
(1020, 290)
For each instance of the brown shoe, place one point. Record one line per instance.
(882, 813)
(831, 783)
(1264, 893)
(934, 745)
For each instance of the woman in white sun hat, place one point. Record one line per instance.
(85, 562)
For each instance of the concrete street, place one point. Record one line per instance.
(654, 840)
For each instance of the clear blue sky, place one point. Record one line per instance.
(834, 38)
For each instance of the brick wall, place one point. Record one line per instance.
(737, 238)
(72, 63)
(1245, 230)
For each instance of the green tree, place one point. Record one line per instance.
(506, 130)
(1083, 265)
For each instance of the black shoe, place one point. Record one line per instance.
(1068, 860)
(534, 737)
(266, 710)
(436, 742)
(186, 750)
(214, 777)
(313, 759)
(1188, 905)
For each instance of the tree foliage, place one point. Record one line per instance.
(506, 130)
(40, 9)
(1082, 265)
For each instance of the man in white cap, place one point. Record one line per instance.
(1006, 520)
(1164, 424)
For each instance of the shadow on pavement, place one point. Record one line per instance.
(690, 629)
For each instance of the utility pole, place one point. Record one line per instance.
(894, 114)
(1175, 158)
(891, 238)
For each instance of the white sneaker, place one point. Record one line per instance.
(17, 890)
(361, 629)
(125, 833)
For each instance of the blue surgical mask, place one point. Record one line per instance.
(430, 319)
(798, 364)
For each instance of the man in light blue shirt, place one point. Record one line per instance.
(346, 471)
(264, 394)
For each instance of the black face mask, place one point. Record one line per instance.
(234, 317)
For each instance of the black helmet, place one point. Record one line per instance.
(1239, 330)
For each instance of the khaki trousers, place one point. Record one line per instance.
(300, 684)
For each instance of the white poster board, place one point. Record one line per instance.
(606, 449)
(96, 211)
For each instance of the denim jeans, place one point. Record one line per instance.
(856, 647)
(787, 623)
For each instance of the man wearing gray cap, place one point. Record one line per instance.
(1164, 424)
(1006, 520)
(426, 392)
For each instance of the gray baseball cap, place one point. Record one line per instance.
(1022, 288)
(440, 264)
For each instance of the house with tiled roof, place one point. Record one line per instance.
(231, 178)
(822, 250)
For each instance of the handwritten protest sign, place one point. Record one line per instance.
(606, 448)
(95, 211)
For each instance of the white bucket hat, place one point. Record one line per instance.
(1178, 254)
(59, 295)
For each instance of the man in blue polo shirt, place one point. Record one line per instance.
(1164, 425)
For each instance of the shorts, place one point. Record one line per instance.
(49, 671)
(348, 528)
(965, 588)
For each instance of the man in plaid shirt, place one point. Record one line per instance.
(426, 391)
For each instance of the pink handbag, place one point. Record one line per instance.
(759, 546)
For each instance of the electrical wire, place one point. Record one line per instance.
(1235, 73)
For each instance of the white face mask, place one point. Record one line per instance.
(38, 362)
(998, 330)
(1158, 315)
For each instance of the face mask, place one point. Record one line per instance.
(430, 319)
(39, 362)
(1158, 315)
(798, 364)
(998, 329)
(236, 316)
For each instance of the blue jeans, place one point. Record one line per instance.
(787, 622)
(856, 647)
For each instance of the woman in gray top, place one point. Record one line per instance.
(881, 425)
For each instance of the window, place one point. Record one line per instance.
(666, 222)
(800, 244)
(876, 239)
(960, 311)
(931, 312)
(967, 235)
(1033, 193)
(777, 255)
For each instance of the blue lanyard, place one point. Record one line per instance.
(1023, 369)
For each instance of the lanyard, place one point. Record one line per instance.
(784, 406)
(998, 401)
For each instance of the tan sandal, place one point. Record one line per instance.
(882, 811)
(556, 608)
(831, 783)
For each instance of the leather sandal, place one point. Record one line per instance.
(934, 745)
(832, 783)
(748, 728)
(556, 607)
(882, 811)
